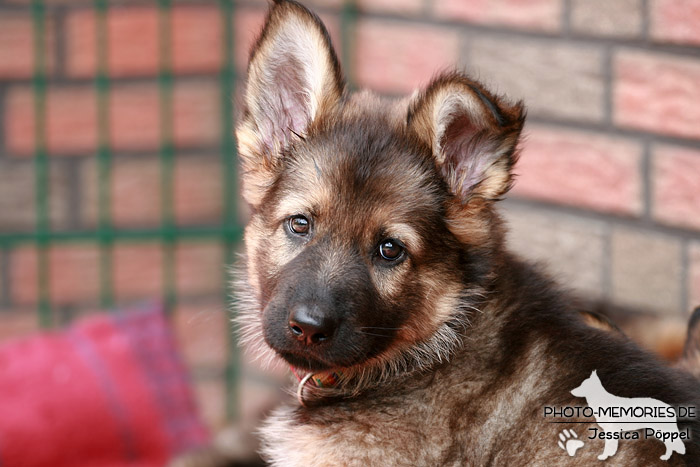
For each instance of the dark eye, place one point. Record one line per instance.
(390, 250)
(298, 225)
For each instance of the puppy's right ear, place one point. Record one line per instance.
(293, 78)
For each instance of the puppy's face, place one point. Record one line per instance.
(351, 249)
(369, 226)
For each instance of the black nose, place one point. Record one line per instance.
(310, 326)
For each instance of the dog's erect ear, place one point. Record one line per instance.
(472, 133)
(293, 77)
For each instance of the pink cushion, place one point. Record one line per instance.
(108, 391)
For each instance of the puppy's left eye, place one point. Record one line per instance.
(391, 250)
(299, 225)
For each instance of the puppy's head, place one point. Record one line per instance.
(373, 229)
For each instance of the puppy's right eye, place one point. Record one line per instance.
(390, 250)
(298, 225)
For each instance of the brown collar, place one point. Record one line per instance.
(320, 380)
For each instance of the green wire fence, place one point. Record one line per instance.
(105, 234)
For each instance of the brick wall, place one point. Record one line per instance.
(608, 192)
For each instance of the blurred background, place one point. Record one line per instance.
(118, 168)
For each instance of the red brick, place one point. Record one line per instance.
(138, 271)
(199, 268)
(657, 93)
(73, 272)
(133, 38)
(71, 119)
(332, 23)
(675, 21)
(676, 190)
(581, 169)
(134, 114)
(203, 334)
(531, 14)
(17, 48)
(248, 23)
(17, 323)
(197, 39)
(694, 275)
(396, 58)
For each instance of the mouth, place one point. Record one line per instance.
(305, 362)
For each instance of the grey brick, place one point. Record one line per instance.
(570, 248)
(555, 80)
(618, 18)
(18, 208)
(646, 270)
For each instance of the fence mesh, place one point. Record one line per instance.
(105, 234)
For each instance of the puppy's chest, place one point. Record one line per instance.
(432, 428)
(408, 435)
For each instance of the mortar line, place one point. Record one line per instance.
(607, 263)
(608, 71)
(5, 289)
(565, 18)
(3, 101)
(646, 22)
(60, 46)
(73, 168)
(199, 77)
(685, 278)
(428, 9)
(647, 181)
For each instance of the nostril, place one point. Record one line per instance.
(310, 325)
(318, 337)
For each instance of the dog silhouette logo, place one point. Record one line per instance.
(616, 415)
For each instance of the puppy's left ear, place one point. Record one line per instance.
(472, 133)
(293, 78)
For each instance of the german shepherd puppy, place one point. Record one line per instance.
(376, 268)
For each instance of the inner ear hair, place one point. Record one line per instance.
(293, 74)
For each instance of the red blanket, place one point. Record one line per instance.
(109, 391)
